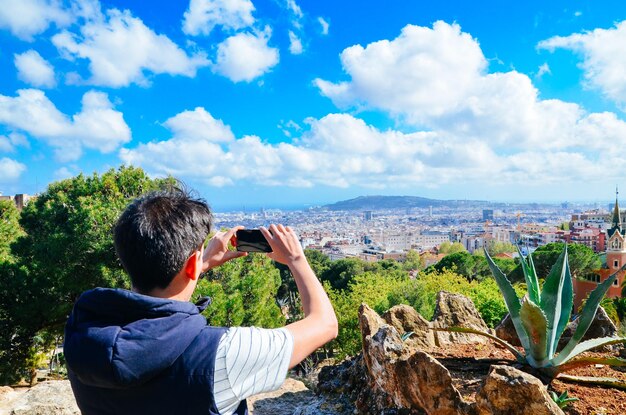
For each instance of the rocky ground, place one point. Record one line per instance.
(55, 398)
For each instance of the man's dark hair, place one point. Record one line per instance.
(157, 232)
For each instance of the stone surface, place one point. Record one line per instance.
(457, 310)
(406, 320)
(601, 326)
(402, 376)
(291, 397)
(506, 331)
(46, 398)
(509, 391)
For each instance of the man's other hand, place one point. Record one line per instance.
(217, 252)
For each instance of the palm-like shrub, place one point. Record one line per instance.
(540, 318)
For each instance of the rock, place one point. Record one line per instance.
(457, 310)
(404, 377)
(506, 331)
(47, 398)
(509, 391)
(291, 397)
(601, 326)
(369, 321)
(405, 320)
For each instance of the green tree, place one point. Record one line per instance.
(67, 248)
(447, 248)
(341, 272)
(582, 260)
(413, 261)
(10, 228)
(243, 293)
(496, 247)
(472, 267)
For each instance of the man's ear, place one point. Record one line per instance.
(191, 266)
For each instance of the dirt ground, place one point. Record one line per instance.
(469, 364)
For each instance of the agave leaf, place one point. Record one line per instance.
(585, 346)
(455, 329)
(557, 298)
(586, 316)
(588, 361)
(590, 380)
(535, 324)
(512, 301)
(530, 275)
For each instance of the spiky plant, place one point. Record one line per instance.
(541, 316)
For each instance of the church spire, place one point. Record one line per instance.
(617, 221)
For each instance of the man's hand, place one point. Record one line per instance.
(286, 247)
(217, 252)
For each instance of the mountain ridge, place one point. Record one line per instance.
(378, 202)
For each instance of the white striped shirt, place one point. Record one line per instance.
(250, 360)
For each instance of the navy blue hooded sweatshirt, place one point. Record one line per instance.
(129, 353)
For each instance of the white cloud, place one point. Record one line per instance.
(468, 126)
(10, 170)
(204, 15)
(27, 18)
(34, 70)
(543, 69)
(325, 25)
(10, 142)
(340, 150)
(436, 79)
(63, 173)
(246, 56)
(295, 44)
(427, 71)
(604, 58)
(293, 7)
(199, 124)
(97, 126)
(121, 50)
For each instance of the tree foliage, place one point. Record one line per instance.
(67, 248)
(447, 248)
(472, 267)
(243, 293)
(582, 260)
(10, 228)
(496, 247)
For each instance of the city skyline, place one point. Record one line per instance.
(290, 103)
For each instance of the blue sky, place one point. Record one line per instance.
(292, 102)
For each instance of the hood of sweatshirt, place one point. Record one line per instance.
(118, 339)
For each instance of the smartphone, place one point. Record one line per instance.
(252, 240)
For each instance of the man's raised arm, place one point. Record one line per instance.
(319, 325)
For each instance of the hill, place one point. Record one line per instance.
(397, 202)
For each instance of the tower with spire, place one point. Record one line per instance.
(616, 236)
(615, 259)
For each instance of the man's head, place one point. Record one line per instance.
(157, 233)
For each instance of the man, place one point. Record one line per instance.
(150, 350)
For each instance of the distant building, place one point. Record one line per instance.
(367, 215)
(488, 214)
(615, 259)
(20, 199)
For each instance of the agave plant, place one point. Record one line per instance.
(540, 318)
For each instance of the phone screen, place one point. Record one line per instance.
(252, 240)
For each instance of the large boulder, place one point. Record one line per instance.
(509, 391)
(601, 326)
(46, 398)
(402, 376)
(406, 320)
(457, 310)
(506, 331)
